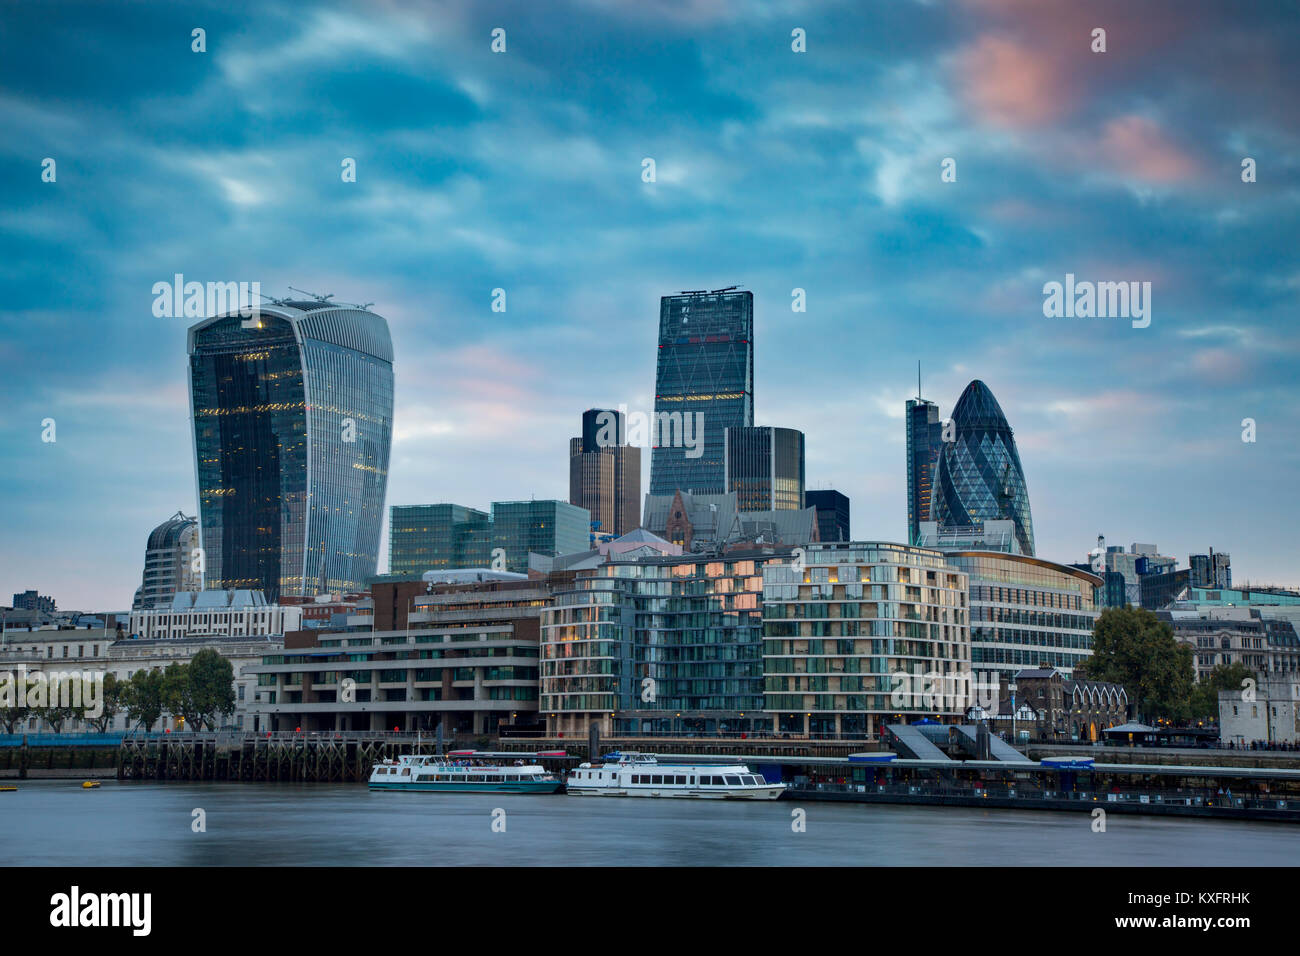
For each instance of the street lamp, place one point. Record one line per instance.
(1011, 686)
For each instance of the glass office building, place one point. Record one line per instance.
(765, 467)
(544, 527)
(924, 440)
(1027, 613)
(978, 477)
(437, 538)
(292, 417)
(705, 375)
(832, 513)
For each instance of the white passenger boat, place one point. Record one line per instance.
(469, 771)
(642, 775)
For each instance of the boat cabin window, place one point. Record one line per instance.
(406, 771)
(733, 781)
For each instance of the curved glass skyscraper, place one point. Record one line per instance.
(293, 416)
(978, 476)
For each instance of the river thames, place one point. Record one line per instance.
(57, 823)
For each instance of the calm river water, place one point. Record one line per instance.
(57, 823)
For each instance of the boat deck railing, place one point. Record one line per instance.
(1099, 798)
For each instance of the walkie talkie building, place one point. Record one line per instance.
(293, 418)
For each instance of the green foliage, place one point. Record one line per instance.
(200, 691)
(1132, 647)
(113, 693)
(143, 698)
(13, 718)
(1205, 695)
(212, 687)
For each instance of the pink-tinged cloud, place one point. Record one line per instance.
(1010, 83)
(1219, 365)
(1139, 146)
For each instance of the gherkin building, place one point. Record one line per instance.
(978, 476)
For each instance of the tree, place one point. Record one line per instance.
(143, 697)
(1205, 695)
(13, 718)
(178, 695)
(1134, 648)
(112, 693)
(55, 715)
(212, 687)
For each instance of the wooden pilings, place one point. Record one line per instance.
(342, 758)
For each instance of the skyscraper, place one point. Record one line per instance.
(924, 442)
(704, 382)
(169, 564)
(978, 477)
(765, 467)
(293, 415)
(832, 513)
(605, 472)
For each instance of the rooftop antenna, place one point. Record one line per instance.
(918, 380)
(318, 298)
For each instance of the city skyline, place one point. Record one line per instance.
(826, 178)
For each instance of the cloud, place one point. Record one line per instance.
(1012, 83)
(1139, 146)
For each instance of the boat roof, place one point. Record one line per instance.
(502, 754)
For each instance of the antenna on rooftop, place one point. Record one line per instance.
(313, 295)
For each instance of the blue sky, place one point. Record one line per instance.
(776, 170)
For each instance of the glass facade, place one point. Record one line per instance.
(1027, 612)
(765, 468)
(545, 527)
(924, 440)
(832, 513)
(839, 631)
(658, 647)
(437, 537)
(292, 431)
(978, 477)
(706, 366)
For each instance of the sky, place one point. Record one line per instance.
(777, 170)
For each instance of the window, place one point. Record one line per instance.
(733, 781)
